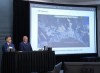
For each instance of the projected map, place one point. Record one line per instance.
(63, 31)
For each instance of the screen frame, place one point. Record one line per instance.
(72, 5)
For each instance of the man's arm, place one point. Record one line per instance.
(4, 49)
(30, 47)
(21, 47)
(14, 47)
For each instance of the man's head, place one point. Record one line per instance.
(8, 39)
(25, 39)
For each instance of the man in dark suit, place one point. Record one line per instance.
(8, 44)
(25, 45)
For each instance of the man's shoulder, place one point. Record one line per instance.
(12, 44)
(28, 42)
(21, 43)
(5, 44)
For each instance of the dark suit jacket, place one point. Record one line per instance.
(25, 46)
(5, 46)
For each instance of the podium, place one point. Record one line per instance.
(27, 62)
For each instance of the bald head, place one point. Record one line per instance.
(25, 39)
